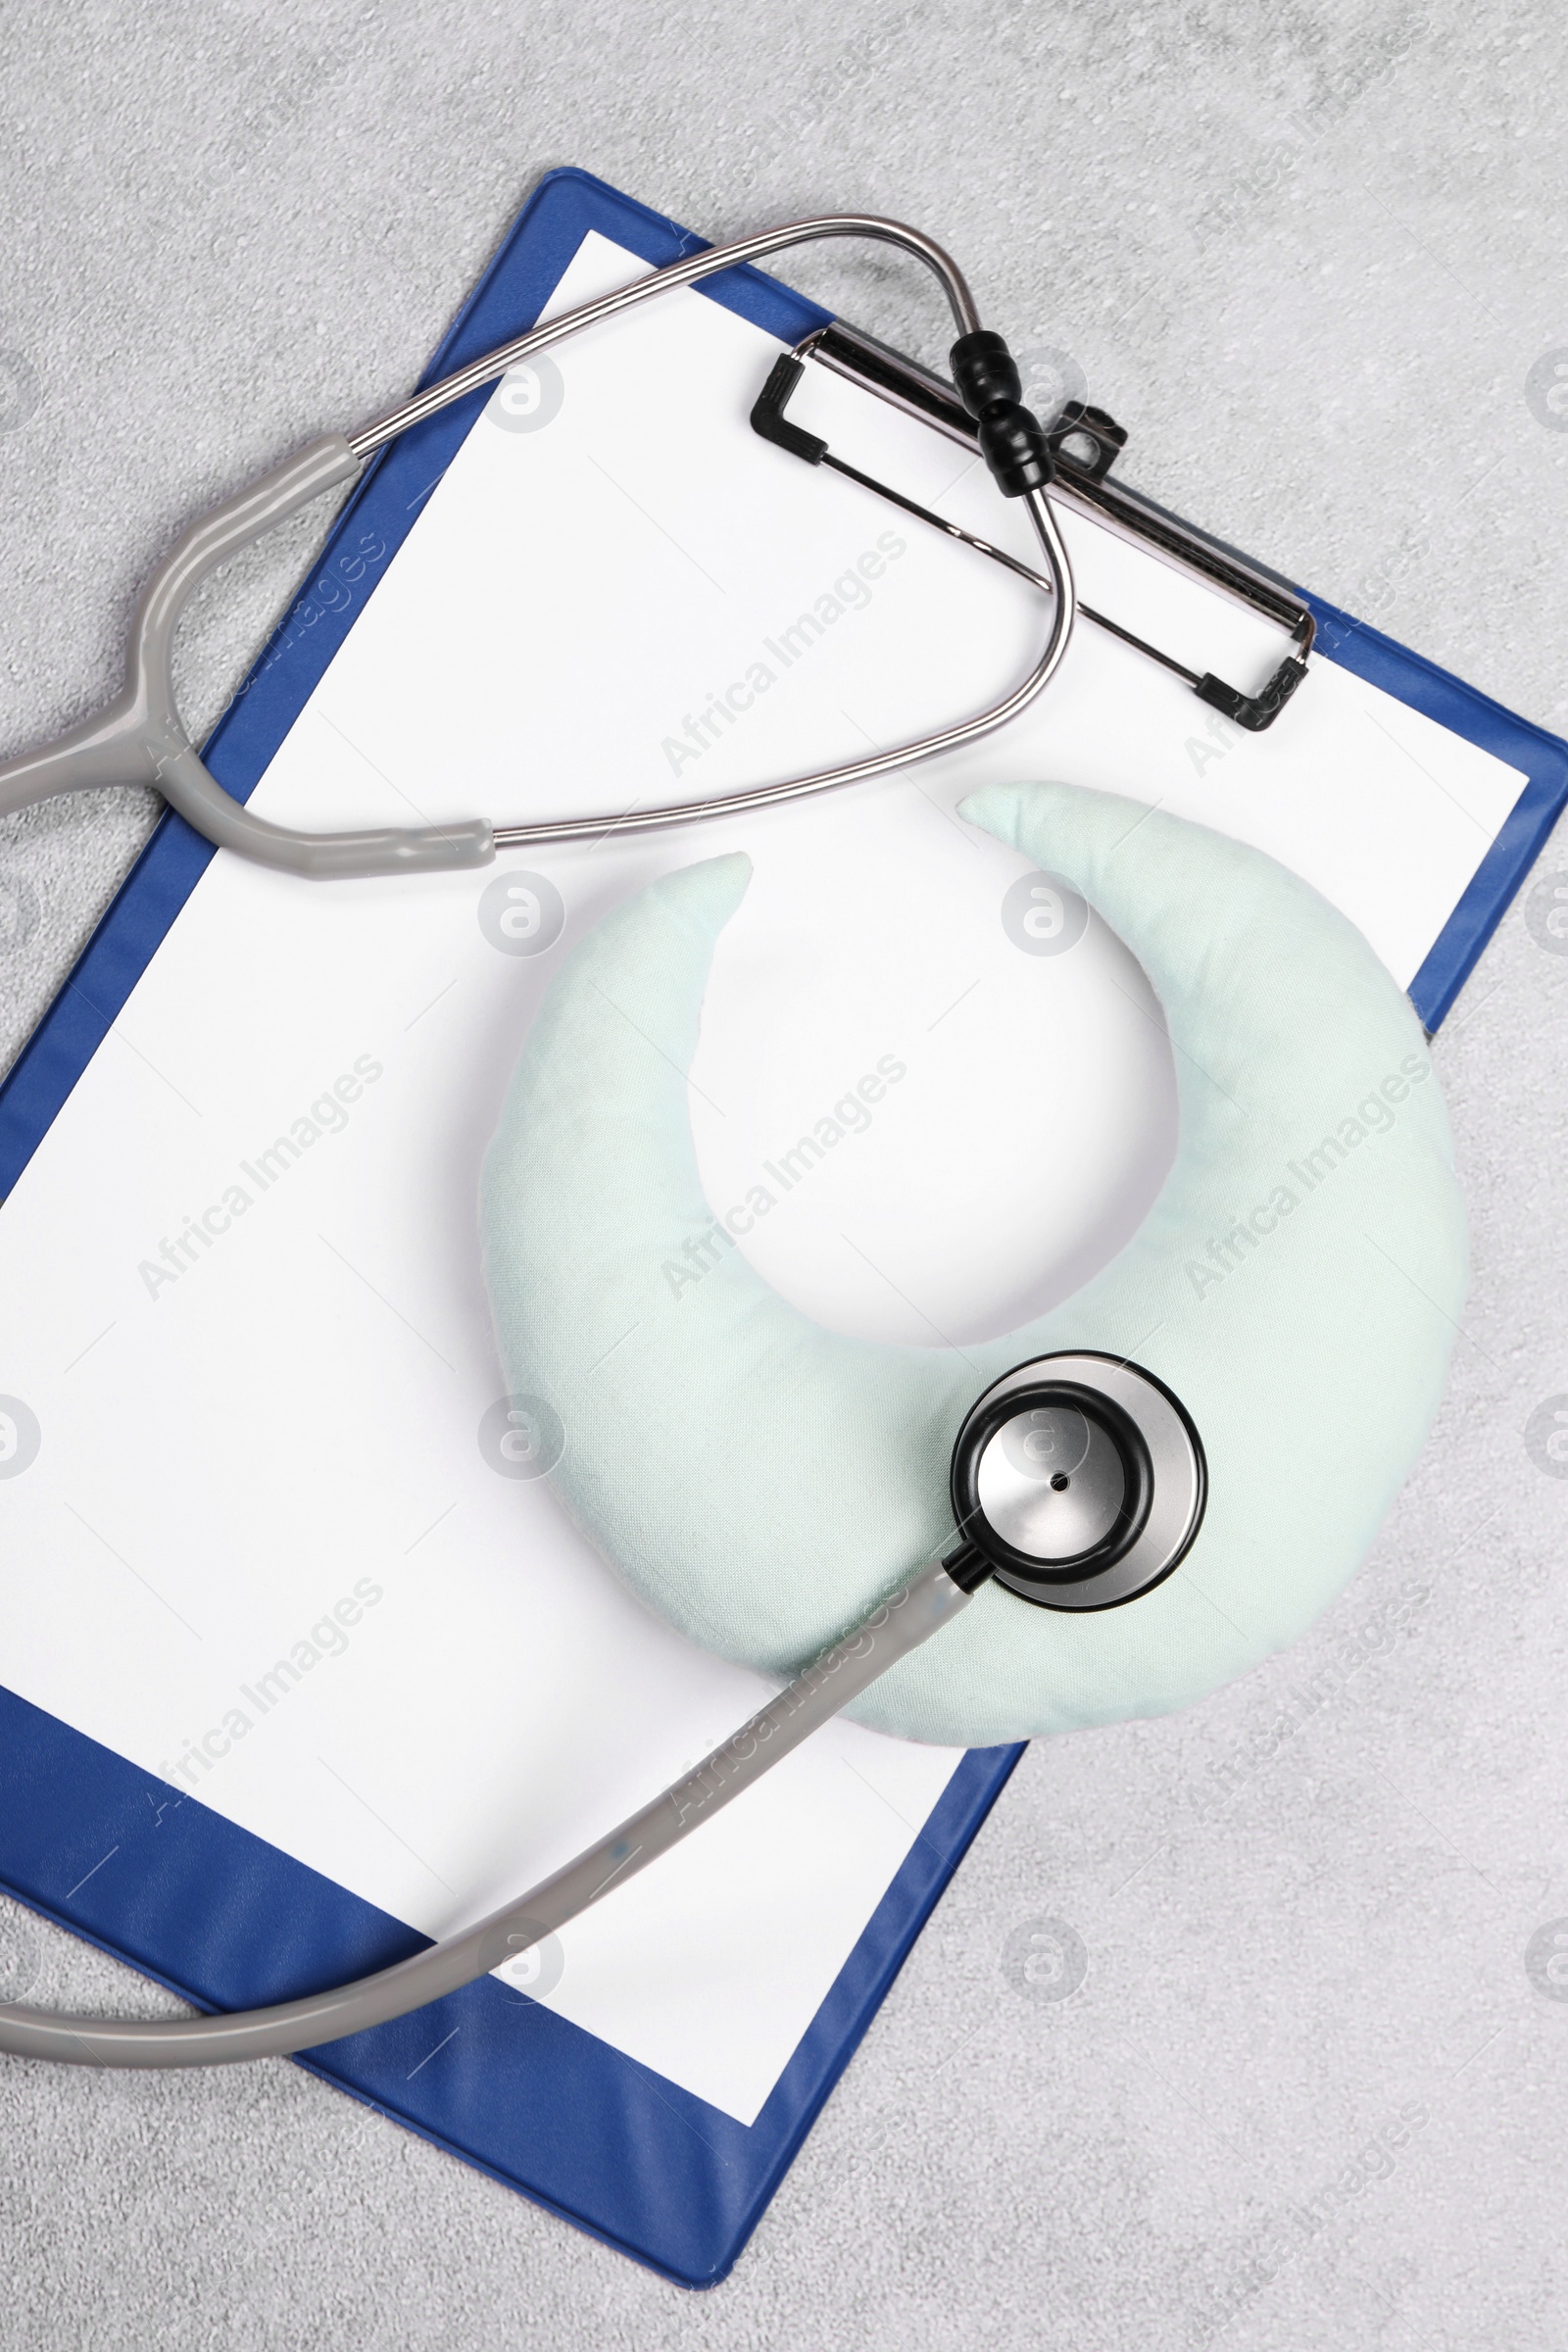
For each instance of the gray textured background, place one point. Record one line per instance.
(1311, 256)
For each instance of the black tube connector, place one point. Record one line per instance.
(969, 1567)
(1012, 439)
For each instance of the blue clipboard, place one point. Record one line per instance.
(147, 1872)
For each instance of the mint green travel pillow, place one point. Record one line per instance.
(761, 1481)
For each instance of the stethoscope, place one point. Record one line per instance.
(1077, 1481)
(140, 739)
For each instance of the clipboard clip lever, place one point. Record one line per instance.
(1085, 443)
(1254, 711)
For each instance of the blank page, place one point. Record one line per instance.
(268, 1548)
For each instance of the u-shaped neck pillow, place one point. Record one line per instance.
(761, 1481)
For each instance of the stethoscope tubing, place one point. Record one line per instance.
(900, 1624)
(140, 739)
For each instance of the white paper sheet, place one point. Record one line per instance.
(261, 1550)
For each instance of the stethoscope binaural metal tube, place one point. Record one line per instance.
(854, 771)
(140, 738)
(689, 272)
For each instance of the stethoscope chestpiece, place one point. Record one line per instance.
(1079, 1480)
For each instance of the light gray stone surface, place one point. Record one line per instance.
(1310, 257)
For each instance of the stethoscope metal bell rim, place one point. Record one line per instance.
(1149, 1526)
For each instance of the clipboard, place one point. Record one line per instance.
(590, 2133)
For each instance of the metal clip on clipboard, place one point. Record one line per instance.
(1085, 443)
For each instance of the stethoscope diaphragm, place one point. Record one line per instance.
(1079, 1479)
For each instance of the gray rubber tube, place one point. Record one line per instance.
(139, 739)
(900, 1624)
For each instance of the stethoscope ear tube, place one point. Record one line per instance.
(141, 740)
(909, 1617)
(1149, 1534)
